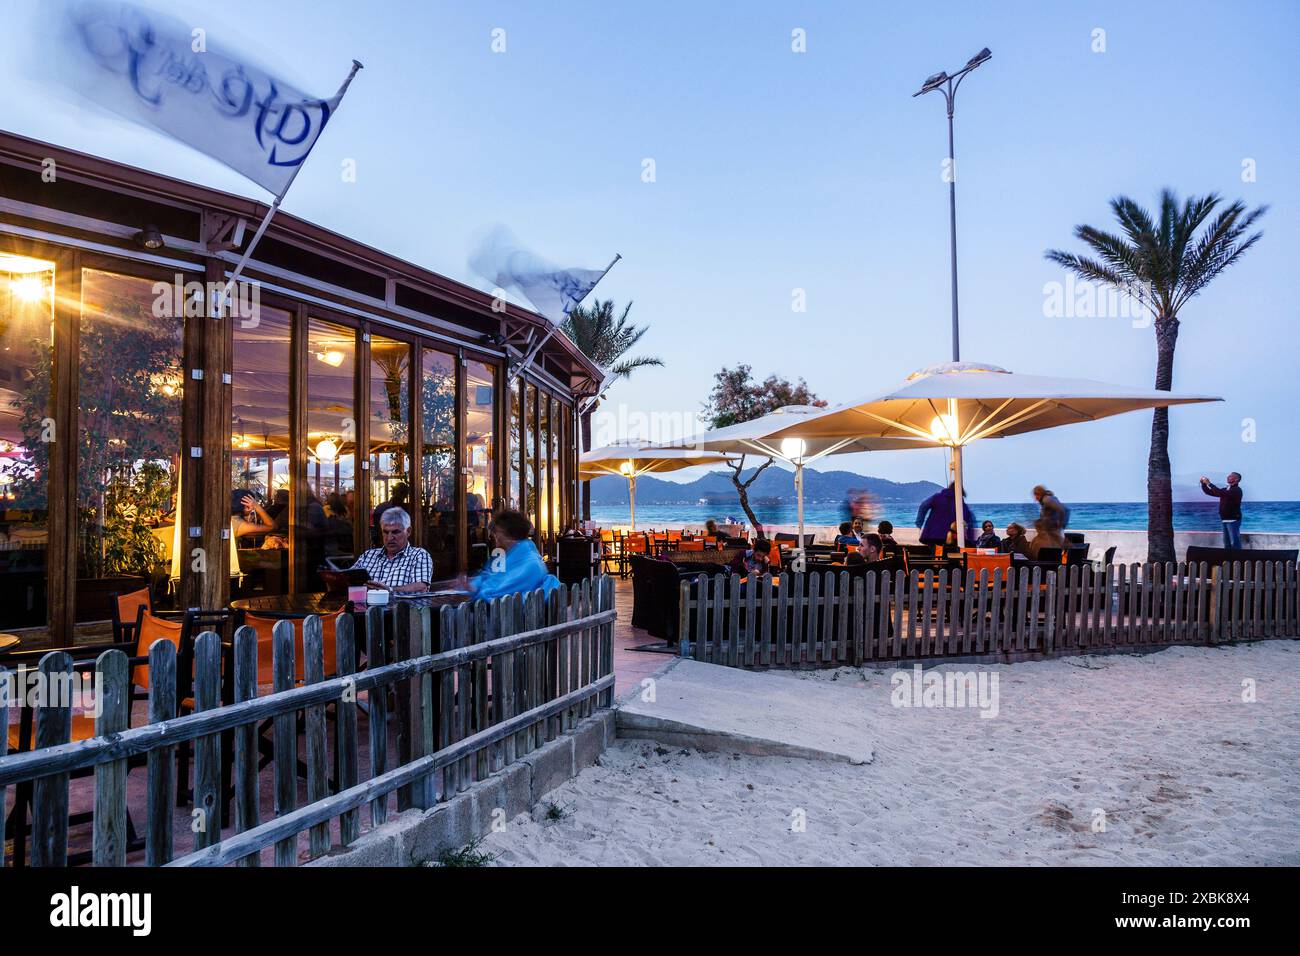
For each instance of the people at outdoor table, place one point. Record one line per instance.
(848, 537)
(1046, 535)
(988, 537)
(398, 565)
(938, 514)
(756, 560)
(514, 566)
(872, 548)
(886, 531)
(711, 529)
(1015, 541)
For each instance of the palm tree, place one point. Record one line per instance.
(604, 340)
(1162, 264)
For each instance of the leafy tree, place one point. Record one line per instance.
(1163, 263)
(737, 398)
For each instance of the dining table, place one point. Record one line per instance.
(321, 603)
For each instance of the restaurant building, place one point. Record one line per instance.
(341, 379)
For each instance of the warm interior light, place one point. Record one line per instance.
(327, 450)
(30, 288)
(626, 468)
(944, 429)
(331, 357)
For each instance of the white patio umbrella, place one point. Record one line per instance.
(780, 435)
(634, 459)
(960, 402)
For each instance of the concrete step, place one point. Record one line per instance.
(762, 713)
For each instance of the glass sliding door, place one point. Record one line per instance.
(479, 456)
(129, 379)
(516, 449)
(530, 457)
(545, 482)
(389, 408)
(260, 449)
(330, 448)
(26, 361)
(438, 460)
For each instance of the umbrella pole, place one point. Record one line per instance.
(798, 493)
(631, 495)
(960, 508)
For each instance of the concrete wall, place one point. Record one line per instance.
(415, 837)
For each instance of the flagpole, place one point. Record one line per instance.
(532, 354)
(266, 220)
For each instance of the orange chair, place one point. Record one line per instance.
(991, 562)
(149, 628)
(688, 545)
(774, 555)
(125, 609)
(265, 628)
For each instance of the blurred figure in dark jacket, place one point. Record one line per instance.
(938, 513)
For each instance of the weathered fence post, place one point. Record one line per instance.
(247, 812)
(112, 678)
(50, 794)
(161, 786)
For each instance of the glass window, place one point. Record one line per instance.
(545, 477)
(390, 428)
(516, 449)
(26, 356)
(129, 382)
(438, 460)
(530, 456)
(259, 451)
(331, 446)
(479, 454)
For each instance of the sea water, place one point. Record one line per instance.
(1259, 516)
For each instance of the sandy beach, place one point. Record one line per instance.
(1160, 749)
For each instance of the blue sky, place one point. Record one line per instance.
(777, 171)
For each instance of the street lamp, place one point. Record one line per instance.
(948, 84)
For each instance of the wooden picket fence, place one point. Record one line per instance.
(507, 677)
(830, 618)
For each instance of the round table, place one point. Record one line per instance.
(321, 603)
(9, 641)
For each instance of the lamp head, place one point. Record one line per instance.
(978, 58)
(626, 469)
(150, 237)
(944, 429)
(327, 450)
(793, 448)
(932, 83)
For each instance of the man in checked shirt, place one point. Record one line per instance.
(397, 566)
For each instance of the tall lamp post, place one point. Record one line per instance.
(947, 84)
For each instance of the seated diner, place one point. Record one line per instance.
(398, 565)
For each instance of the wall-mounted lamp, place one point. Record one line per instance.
(150, 237)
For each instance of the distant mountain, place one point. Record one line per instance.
(774, 485)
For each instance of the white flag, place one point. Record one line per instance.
(553, 291)
(155, 70)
